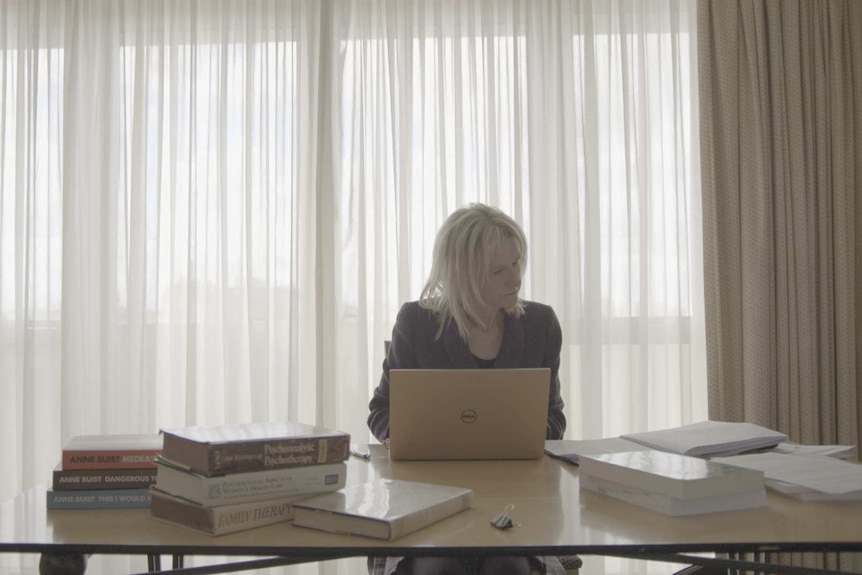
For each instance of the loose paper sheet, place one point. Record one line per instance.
(824, 474)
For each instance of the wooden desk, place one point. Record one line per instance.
(555, 517)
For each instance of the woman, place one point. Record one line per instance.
(469, 315)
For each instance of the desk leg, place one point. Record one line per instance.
(154, 562)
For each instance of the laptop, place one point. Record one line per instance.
(468, 413)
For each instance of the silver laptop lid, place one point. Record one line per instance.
(468, 413)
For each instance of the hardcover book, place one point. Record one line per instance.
(671, 474)
(673, 505)
(78, 479)
(382, 509)
(209, 491)
(222, 519)
(130, 451)
(254, 447)
(99, 499)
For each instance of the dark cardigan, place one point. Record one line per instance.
(532, 340)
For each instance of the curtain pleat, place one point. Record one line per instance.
(780, 150)
(780, 115)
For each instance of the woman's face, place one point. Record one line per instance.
(503, 280)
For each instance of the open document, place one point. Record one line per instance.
(710, 438)
(706, 439)
(810, 478)
(839, 451)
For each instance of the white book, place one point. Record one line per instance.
(671, 474)
(571, 450)
(382, 509)
(251, 486)
(709, 438)
(222, 519)
(672, 505)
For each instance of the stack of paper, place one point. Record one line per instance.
(571, 450)
(710, 438)
(839, 451)
(672, 484)
(704, 439)
(808, 478)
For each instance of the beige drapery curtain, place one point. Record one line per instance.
(781, 111)
(781, 148)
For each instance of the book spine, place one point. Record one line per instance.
(239, 457)
(254, 486)
(79, 479)
(229, 520)
(99, 499)
(416, 521)
(223, 519)
(109, 459)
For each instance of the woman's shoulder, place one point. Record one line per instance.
(413, 319)
(537, 309)
(539, 320)
(538, 315)
(412, 311)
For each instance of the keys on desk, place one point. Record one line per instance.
(503, 521)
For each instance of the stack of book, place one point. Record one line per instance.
(105, 472)
(671, 483)
(230, 478)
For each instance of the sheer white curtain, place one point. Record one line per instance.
(211, 210)
(579, 119)
(158, 204)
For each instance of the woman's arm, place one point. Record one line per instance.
(401, 356)
(556, 418)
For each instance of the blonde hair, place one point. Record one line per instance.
(463, 250)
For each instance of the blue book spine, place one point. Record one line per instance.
(99, 499)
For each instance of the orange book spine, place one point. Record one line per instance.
(110, 459)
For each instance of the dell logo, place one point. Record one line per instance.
(468, 416)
